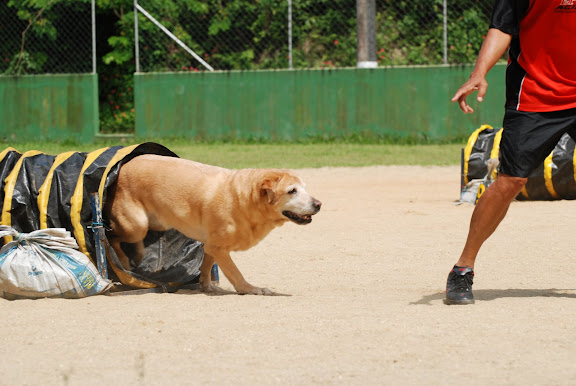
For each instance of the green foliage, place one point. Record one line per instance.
(249, 34)
(117, 114)
(24, 63)
(324, 36)
(120, 53)
(44, 36)
(466, 37)
(412, 32)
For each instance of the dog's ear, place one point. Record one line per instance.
(269, 185)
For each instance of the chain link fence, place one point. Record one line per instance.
(278, 34)
(41, 37)
(431, 31)
(55, 36)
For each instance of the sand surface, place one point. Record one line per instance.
(365, 282)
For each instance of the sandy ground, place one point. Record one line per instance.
(366, 282)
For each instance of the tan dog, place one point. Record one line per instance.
(227, 210)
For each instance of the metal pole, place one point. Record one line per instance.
(462, 177)
(290, 34)
(178, 41)
(99, 234)
(93, 36)
(445, 32)
(136, 48)
(366, 27)
(214, 275)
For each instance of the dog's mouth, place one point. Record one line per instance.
(298, 218)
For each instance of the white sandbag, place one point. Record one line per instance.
(475, 188)
(469, 193)
(46, 263)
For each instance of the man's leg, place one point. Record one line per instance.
(488, 213)
(527, 139)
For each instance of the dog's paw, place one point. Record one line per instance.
(264, 291)
(212, 288)
(257, 291)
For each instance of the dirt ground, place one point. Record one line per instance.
(365, 282)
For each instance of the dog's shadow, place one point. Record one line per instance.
(493, 294)
(221, 292)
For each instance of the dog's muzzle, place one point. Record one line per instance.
(303, 218)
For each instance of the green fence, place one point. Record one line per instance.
(398, 102)
(49, 107)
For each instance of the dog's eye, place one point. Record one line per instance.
(293, 191)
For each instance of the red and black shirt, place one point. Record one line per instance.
(541, 73)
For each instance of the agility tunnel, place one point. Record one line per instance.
(554, 179)
(41, 191)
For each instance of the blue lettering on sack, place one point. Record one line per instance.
(84, 277)
(87, 280)
(35, 272)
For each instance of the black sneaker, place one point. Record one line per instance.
(459, 286)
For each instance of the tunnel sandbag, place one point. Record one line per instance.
(46, 263)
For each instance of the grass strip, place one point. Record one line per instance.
(282, 155)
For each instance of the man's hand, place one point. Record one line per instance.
(494, 46)
(475, 83)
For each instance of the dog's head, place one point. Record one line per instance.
(286, 192)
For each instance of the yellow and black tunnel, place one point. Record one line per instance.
(39, 191)
(554, 179)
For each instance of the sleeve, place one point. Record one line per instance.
(506, 15)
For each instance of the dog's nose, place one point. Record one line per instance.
(316, 204)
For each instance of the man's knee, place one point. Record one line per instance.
(511, 183)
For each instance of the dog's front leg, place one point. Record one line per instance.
(224, 261)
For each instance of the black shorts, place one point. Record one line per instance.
(528, 138)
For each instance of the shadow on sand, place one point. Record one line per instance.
(492, 294)
(223, 292)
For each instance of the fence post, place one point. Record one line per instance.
(136, 48)
(445, 26)
(290, 34)
(93, 16)
(366, 25)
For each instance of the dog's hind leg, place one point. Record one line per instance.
(205, 274)
(139, 252)
(124, 260)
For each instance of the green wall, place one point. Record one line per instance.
(49, 107)
(398, 102)
(395, 102)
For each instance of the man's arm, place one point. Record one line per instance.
(494, 46)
